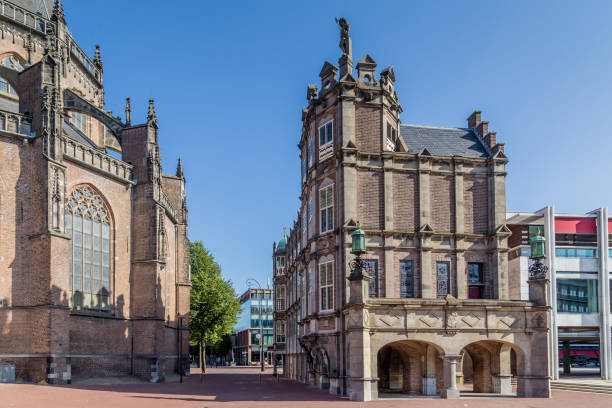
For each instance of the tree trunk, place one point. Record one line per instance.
(202, 357)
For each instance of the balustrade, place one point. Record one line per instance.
(15, 123)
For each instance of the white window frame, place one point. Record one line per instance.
(326, 286)
(326, 149)
(79, 120)
(326, 207)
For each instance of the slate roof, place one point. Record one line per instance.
(41, 7)
(71, 132)
(440, 141)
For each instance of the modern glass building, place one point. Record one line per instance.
(256, 316)
(579, 268)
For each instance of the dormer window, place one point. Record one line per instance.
(391, 140)
(79, 120)
(326, 138)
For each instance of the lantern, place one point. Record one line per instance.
(537, 246)
(358, 237)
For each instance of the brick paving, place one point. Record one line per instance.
(240, 387)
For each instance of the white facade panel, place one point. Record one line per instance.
(576, 264)
(577, 319)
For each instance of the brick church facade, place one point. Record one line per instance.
(434, 309)
(94, 255)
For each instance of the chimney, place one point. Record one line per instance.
(474, 119)
(482, 128)
(490, 139)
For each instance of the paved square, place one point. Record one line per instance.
(240, 387)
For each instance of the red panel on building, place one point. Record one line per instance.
(609, 226)
(575, 226)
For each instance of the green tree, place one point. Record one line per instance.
(214, 303)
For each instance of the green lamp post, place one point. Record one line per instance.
(358, 246)
(537, 246)
(537, 270)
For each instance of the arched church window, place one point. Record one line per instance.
(88, 224)
(6, 87)
(13, 63)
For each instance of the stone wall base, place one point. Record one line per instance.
(533, 387)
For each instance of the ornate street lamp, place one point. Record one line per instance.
(537, 270)
(358, 248)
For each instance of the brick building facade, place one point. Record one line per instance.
(435, 304)
(94, 255)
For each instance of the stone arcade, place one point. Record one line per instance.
(434, 309)
(94, 256)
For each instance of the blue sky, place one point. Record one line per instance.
(229, 80)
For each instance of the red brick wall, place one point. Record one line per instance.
(370, 198)
(476, 204)
(405, 202)
(442, 203)
(368, 128)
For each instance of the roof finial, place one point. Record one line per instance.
(179, 169)
(97, 58)
(128, 112)
(58, 12)
(151, 116)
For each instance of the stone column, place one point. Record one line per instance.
(390, 267)
(425, 229)
(459, 205)
(497, 222)
(462, 279)
(450, 377)
(501, 371)
(363, 385)
(427, 289)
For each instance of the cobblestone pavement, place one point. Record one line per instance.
(240, 387)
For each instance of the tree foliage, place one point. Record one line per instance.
(214, 303)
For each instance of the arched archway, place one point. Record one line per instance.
(410, 367)
(487, 366)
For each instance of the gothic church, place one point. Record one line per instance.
(94, 255)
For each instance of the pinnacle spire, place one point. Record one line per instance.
(97, 58)
(128, 112)
(151, 116)
(58, 12)
(179, 169)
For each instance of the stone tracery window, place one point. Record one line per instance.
(13, 63)
(88, 224)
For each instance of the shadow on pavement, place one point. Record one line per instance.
(221, 385)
